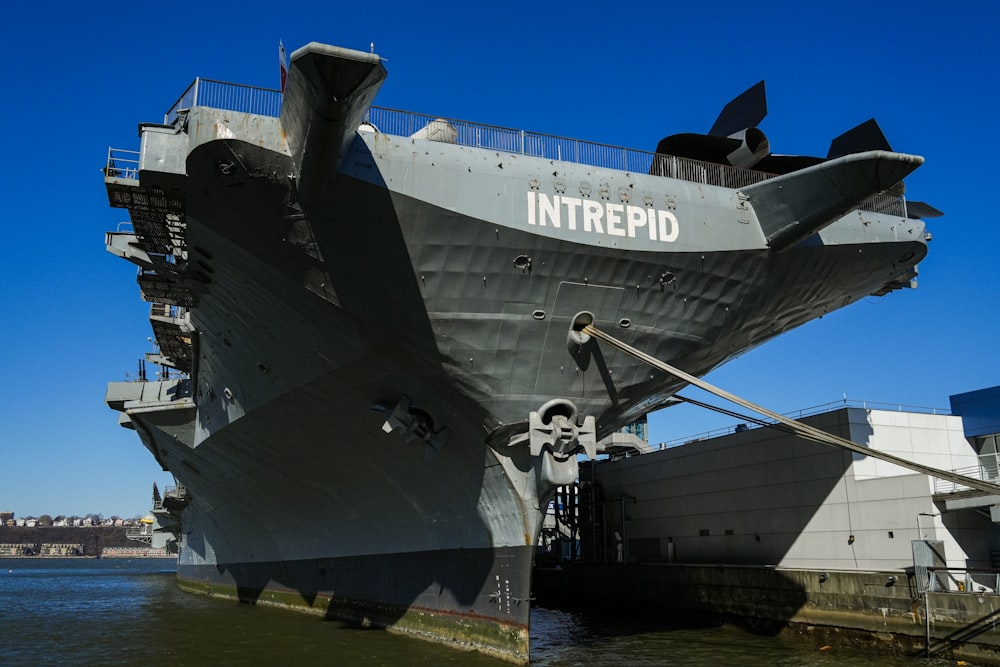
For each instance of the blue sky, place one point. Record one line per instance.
(78, 80)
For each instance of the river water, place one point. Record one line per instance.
(130, 612)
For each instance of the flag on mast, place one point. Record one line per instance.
(283, 62)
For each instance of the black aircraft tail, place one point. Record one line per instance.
(734, 138)
(867, 136)
(746, 110)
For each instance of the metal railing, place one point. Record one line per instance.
(122, 164)
(806, 412)
(228, 96)
(984, 472)
(551, 147)
(143, 533)
(961, 580)
(887, 204)
(171, 311)
(178, 492)
(267, 102)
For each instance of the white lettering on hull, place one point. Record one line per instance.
(595, 217)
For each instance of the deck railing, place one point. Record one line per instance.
(178, 492)
(267, 102)
(551, 147)
(228, 96)
(122, 164)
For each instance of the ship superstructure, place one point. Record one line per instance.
(373, 314)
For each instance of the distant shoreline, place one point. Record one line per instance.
(157, 557)
(90, 540)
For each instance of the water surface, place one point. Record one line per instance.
(129, 612)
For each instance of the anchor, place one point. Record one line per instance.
(415, 427)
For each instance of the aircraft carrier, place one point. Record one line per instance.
(370, 322)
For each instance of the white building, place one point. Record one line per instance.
(760, 496)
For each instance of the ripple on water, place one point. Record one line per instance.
(130, 613)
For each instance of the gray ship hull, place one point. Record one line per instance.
(401, 591)
(365, 345)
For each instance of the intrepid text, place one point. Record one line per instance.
(601, 217)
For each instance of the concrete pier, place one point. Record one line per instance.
(876, 611)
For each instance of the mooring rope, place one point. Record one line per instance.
(798, 428)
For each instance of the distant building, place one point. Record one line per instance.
(637, 428)
(61, 550)
(16, 550)
(135, 552)
(980, 412)
(5, 517)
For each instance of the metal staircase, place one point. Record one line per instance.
(157, 245)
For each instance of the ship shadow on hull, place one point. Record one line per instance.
(459, 592)
(376, 589)
(358, 231)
